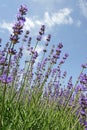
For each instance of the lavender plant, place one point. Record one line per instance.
(35, 97)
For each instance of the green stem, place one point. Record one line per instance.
(73, 90)
(4, 91)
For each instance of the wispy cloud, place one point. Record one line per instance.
(29, 24)
(6, 26)
(58, 18)
(63, 16)
(83, 7)
(32, 24)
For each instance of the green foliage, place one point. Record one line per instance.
(36, 114)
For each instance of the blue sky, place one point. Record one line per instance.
(65, 20)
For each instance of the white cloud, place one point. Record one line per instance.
(83, 7)
(7, 26)
(63, 16)
(39, 48)
(38, 22)
(47, 19)
(56, 18)
(29, 24)
(60, 17)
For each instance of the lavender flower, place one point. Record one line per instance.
(84, 65)
(18, 26)
(64, 74)
(12, 51)
(14, 39)
(6, 79)
(83, 103)
(48, 38)
(70, 85)
(83, 79)
(60, 45)
(23, 9)
(39, 37)
(2, 61)
(41, 32)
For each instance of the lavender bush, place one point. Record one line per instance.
(35, 97)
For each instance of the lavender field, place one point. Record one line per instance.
(38, 95)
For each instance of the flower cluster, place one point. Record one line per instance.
(6, 79)
(83, 111)
(18, 26)
(41, 33)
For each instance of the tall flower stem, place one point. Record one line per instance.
(73, 90)
(24, 80)
(5, 87)
(6, 57)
